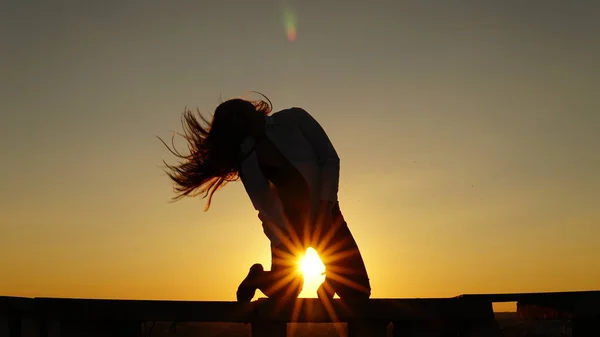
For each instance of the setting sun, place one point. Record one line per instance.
(313, 270)
(311, 264)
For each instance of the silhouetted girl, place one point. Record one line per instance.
(290, 171)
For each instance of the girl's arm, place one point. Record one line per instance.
(263, 198)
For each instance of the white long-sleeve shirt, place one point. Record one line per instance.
(302, 140)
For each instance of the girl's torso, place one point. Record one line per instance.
(288, 182)
(286, 161)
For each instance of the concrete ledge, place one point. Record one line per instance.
(464, 307)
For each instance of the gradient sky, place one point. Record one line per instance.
(468, 133)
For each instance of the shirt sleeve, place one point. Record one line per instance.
(327, 156)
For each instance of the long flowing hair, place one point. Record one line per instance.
(214, 147)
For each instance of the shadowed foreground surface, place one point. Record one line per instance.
(538, 314)
(510, 325)
(164, 329)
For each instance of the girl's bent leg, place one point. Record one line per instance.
(284, 280)
(346, 273)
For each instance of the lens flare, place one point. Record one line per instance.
(289, 21)
(291, 34)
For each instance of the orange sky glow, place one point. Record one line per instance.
(468, 138)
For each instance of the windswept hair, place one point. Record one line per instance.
(214, 147)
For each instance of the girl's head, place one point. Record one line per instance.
(214, 148)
